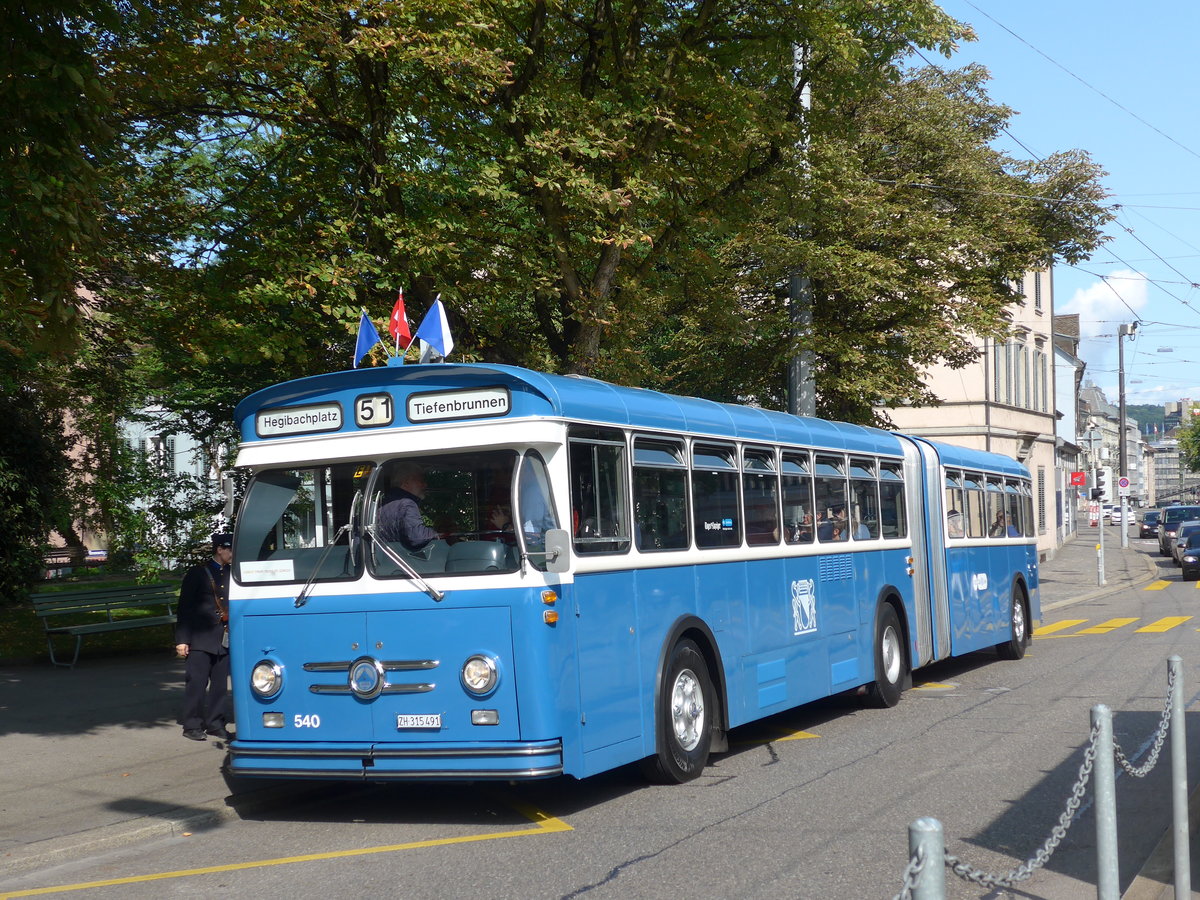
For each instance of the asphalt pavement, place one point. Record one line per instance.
(94, 757)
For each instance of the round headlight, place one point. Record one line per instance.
(266, 678)
(479, 674)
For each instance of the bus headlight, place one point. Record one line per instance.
(479, 674)
(266, 678)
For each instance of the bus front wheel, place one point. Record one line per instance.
(1018, 635)
(682, 718)
(889, 658)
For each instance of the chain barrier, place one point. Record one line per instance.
(1159, 738)
(1025, 870)
(912, 874)
(967, 872)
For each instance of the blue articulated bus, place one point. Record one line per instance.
(465, 572)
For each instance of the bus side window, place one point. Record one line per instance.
(864, 494)
(760, 497)
(893, 516)
(659, 495)
(716, 510)
(956, 523)
(796, 471)
(976, 523)
(832, 524)
(600, 519)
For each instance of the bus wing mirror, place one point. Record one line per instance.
(558, 550)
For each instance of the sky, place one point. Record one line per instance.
(1118, 80)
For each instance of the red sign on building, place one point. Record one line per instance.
(1079, 479)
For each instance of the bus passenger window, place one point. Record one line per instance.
(864, 500)
(760, 497)
(796, 472)
(832, 524)
(659, 495)
(975, 511)
(956, 525)
(600, 521)
(893, 516)
(716, 511)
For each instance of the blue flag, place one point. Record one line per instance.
(368, 337)
(434, 333)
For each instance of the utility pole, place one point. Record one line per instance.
(802, 394)
(1123, 332)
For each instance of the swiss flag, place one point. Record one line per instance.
(398, 326)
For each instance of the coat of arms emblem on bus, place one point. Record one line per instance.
(804, 607)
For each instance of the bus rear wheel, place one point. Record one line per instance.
(889, 659)
(683, 718)
(1018, 635)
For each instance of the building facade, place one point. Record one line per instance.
(1007, 402)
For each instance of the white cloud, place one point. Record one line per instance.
(1103, 305)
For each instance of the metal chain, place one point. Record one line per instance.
(1163, 726)
(912, 874)
(967, 872)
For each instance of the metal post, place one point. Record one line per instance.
(1100, 579)
(1179, 784)
(1108, 880)
(925, 837)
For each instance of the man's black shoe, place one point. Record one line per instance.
(194, 734)
(221, 732)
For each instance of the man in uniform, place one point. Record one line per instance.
(202, 639)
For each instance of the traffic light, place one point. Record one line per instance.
(1100, 490)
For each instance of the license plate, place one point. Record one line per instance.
(415, 721)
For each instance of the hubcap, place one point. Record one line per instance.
(1018, 620)
(889, 650)
(687, 709)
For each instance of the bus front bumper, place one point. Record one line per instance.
(391, 762)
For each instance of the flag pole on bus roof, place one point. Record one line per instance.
(434, 332)
(398, 326)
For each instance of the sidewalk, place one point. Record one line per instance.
(94, 758)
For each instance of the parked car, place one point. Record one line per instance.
(1169, 521)
(1149, 526)
(1184, 531)
(1116, 517)
(1106, 511)
(1190, 558)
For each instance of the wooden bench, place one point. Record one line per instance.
(82, 606)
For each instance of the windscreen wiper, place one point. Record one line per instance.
(302, 597)
(412, 573)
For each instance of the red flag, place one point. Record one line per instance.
(398, 325)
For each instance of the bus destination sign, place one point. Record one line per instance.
(298, 419)
(472, 403)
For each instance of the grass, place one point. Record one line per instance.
(23, 639)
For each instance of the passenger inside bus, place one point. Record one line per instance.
(399, 517)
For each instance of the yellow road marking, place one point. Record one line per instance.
(797, 736)
(1158, 585)
(1106, 627)
(1164, 624)
(546, 824)
(1057, 626)
(934, 686)
(780, 735)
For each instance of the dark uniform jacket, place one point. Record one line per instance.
(399, 519)
(199, 624)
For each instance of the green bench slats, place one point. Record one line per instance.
(51, 608)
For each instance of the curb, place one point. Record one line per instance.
(1112, 587)
(1156, 879)
(170, 823)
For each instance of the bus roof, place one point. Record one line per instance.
(570, 397)
(577, 398)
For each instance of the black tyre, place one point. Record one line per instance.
(891, 670)
(683, 718)
(1018, 633)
